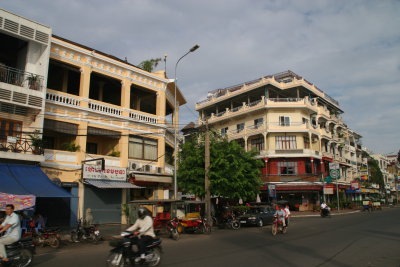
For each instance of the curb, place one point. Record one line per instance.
(318, 215)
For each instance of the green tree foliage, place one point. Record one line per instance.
(234, 173)
(375, 174)
(150, 64)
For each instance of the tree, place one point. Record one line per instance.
(234, 173)
(150, 64)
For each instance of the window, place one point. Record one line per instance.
(240, 142)
(306, 142)
(142, 148)
(287, 168)
(91, 148)
(258, 122)
(257, 144)
(240, 127)
(284, 121)
(285, 142)
(305, 121)
(10, 128)
(224, 131)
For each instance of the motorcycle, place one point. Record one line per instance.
(231, 222)
(123, 255)
(20, 253)
(85, 233)
(50, 237)
(325, 212)
(172, 228)
(196, 226)
(277, 226)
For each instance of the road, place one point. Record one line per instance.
(359, 239)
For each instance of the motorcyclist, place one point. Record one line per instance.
(280, 214)
(12, 229)
(144, 232)
(324, 209)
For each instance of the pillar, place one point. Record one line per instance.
(312, 165)
(266, 166)
(84, 85)
(125, 97)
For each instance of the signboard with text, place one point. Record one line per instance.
(328, 189)
(20, 202)
(271, 190)
(109, 173)
(355, 185)
(364, 173)
(334, 170)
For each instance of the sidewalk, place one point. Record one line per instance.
(304, 214)
(108, 231)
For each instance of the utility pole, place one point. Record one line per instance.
(207, 178)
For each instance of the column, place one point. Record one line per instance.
(123, 148)
(161, 104)
(245, 143)
(312, 165)
(161, 152)
(266, 166)
(125, 97)
(322, 167)
(84, 85)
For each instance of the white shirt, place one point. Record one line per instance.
(15, 229)
(287, 211)
(323, 206)
(143, 226)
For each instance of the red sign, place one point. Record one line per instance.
(355, 185)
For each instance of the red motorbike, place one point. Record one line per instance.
(163, 223)
(196, 226)
(42, 237)
(277, 226)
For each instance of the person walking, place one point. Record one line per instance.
(12, 228)
(287, 215)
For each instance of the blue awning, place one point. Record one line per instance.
(28, 180)
(110, 184)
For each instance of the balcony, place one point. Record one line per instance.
(59, 156)
(63, 99)
(20, 149)
(109, 161)
(20, 87)
(292, 153)
(262, 103)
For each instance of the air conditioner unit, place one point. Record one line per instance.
(159, 170)
(147, 168)
(133, 166)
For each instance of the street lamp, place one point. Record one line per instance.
(194, 48)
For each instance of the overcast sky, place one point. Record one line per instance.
(349, 49)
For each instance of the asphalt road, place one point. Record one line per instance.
(359, 239)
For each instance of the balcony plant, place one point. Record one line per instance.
(115, 154)
(71, 147)
(36, 142)
(33, 81)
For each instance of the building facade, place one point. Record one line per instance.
(24, 57)
(101, 107)
(296, 129)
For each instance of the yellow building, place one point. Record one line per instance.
(99, 106)
(296, 129)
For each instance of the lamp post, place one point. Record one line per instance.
(194, 48)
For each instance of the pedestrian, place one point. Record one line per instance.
(287, 214)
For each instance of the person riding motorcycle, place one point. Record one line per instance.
(324, 209)
(280, 214)
(143, 231)
(12, 229)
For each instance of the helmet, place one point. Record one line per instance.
(142, 212)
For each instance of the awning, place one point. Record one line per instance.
(110, 184)
(61, 127)
(104, 132)
(28, 180)
(153, 178)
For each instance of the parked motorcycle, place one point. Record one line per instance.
(43, 237)
(277, 226)
(123, 254)
(231, 222)
(85, 233)
(172, 228)
(20, 254)
(196, 226)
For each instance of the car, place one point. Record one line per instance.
(258, 216)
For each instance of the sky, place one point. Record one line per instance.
(349, 49)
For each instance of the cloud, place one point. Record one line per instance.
(349, 49)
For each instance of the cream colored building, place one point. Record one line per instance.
(99, 106)
(296, 129)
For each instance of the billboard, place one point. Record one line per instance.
(20, 202)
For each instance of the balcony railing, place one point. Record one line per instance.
(21, 78)
(19, 145)
(104, 108)
(142, 117)
(63, 99)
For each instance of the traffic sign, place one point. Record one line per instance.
(334, 170)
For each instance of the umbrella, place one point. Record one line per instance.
(240, 201)
(258, 200)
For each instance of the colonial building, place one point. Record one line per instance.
(295, 127)
(102, 107)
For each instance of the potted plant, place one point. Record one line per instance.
(115, 154)
(36, 142)
(71, 147)
(33, 81)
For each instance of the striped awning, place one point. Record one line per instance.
(104, 132)
(61, 127)
(110, 184)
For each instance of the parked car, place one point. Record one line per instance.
(258, 215)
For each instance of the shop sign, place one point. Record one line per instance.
(355, 185)
(109, 173)
(364, 173)
(20, 202)
(11, 139)
(271, 190)
(328, 189)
